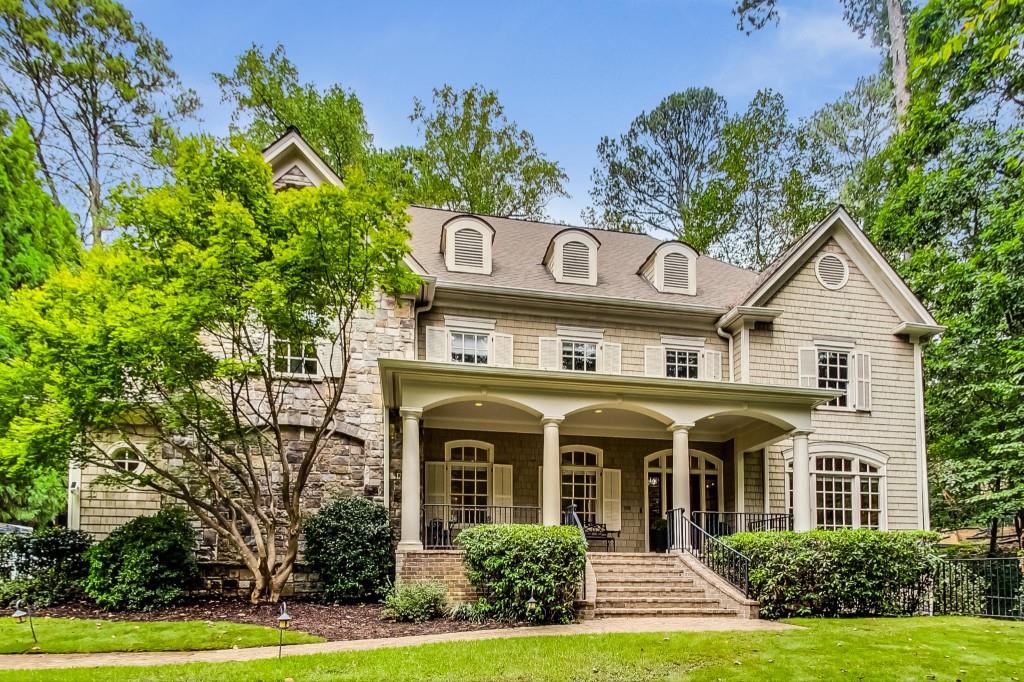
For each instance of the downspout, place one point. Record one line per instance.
(726, 335)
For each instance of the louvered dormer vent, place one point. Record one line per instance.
(576, 261)
(677, 271)
(469, 248)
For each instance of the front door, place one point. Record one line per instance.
(706, 492)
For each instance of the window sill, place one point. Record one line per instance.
(302, 378)
(849, 410)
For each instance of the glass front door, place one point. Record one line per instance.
(705, 492)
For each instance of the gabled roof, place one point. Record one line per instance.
(839, 225)
(290, 152)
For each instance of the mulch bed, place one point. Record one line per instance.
(328, 621)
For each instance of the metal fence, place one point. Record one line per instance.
(727, 523)
(989, 586)
(443, 522)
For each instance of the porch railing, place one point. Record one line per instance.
(728, 523)
(687, 536)
(443, 522)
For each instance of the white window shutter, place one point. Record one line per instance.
(611, 498)
(437, 344)
(712, 369)
(862, 376)
(502, 350)
(611, 357)
(436, 490)
(548, 350)
(502, 495)
(809, 367)
(654, 361)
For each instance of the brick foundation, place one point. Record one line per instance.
(437, 565)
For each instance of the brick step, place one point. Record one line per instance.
(697, 612)
(642, 576)
(657, 565)
(656, 602)
(644, 590)
(625, 580)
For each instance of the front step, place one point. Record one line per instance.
(640, 585)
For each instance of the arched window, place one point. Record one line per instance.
(848, 486)
(581, 480)
(469, 472)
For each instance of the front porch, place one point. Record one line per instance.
(487, 445)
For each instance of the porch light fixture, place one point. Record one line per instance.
(283, 621)
(19, 617)
(598, 411)
(479, 404)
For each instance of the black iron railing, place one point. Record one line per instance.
(728, 523)
(443, 522)
(571, 518)
(731, 565)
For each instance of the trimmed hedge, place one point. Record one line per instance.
(512, 563)
(46, 567)
(348, 543)
(840, 572)
(145, 564)
(415, 602)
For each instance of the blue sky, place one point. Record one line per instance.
(568, 71)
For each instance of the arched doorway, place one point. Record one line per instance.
(706, 492)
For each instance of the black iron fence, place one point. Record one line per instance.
(684, 534)
(728, 523)
(989, 586)
(443, 522)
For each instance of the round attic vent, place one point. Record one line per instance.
(832, 271)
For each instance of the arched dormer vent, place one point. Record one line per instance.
(466, 244)
(571, 257)
(672, 268)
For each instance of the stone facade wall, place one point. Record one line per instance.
(235, 580)
(858, 312)
(438, 566)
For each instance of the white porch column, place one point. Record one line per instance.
(410, 538)
(681, 467)
(801, 482)
(552, 498)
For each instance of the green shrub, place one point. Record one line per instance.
(415, 602)
(512, 563)
(348, 542)
(475, 612)
(147, 563)
(842, 572)
(45, 568)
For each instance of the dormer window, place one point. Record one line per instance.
(572, 257)
(672, 269)
(466, 244)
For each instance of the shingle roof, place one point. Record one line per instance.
(519, 247)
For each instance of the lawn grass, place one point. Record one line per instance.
(855, 649)
(74, 635)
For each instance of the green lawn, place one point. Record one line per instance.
(877, 649)
(72, 635)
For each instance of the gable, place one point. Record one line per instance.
(295, 164)
(840, 228)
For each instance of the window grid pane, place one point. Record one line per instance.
(294, 358)
(681, 364)
(834, 372)
(579, 356)
(834, 497)
(469, 348)
(580, 488)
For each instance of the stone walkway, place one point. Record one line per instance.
(589, 627)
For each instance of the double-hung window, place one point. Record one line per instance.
(471, 348)
(469, 481)
(683, 357)
(579, 356)
(682, 363)
(834, 372)
(292, 357)
(838, 366)
(581, 468)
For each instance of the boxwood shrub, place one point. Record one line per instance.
(415, 602)
(841, 572)
(145, 564)
(512, 563)
(348, 543)
(45, 568)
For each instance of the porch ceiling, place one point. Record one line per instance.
(532, 394)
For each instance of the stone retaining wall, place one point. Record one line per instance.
(235, 580)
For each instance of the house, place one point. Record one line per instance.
(541, 366)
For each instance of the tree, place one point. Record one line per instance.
(35, 235)
(840, 140)
(884, 20)
(765, 195)
(269, 99)
(473, 159)
(97, 90)
(951, 222)
(169, 340)
(652, 177)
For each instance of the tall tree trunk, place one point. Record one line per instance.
(898, 58)
(993, 540)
